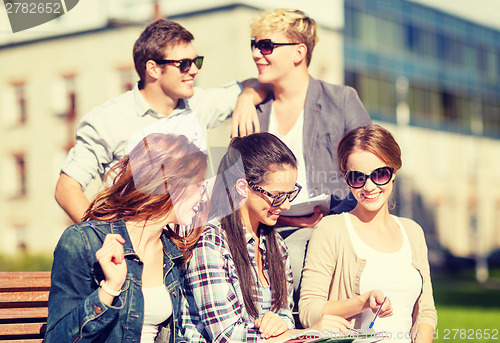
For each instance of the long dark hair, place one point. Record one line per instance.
(251, 157)
(144, 184)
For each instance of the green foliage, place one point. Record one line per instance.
(25, 262)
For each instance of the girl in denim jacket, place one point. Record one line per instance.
(115, 276)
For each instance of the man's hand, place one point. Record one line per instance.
(244, 120)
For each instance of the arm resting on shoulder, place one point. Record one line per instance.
(70, 197)
(244, 120)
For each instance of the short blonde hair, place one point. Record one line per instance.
(294, 23)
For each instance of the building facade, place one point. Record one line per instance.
(435, 79)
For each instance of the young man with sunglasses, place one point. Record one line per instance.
(309, 115)
(164, 100)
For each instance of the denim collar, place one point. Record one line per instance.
(119, 227)
(169, 248)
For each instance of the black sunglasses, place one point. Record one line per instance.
(279, 198)
(266, 46)
(379, 176)
(184, 64)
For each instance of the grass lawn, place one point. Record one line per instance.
(466, 309)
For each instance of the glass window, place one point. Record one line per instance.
(369, 89)
(387, 96)
(434, 108)
(492, 66)
(367, 30)
(482, 59)
(71, 96)
(409, 37)
(469, 57)
(449, 106)
(127, 79)
(14, 176)
(349, 25)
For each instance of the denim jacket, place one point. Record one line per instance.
(75, 312)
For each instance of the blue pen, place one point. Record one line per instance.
(376, 314)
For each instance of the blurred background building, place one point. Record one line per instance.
(429, 76)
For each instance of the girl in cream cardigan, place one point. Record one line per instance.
(357, 260)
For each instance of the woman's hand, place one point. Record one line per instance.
(111, 257)
(375, 300)
(270, 324)
(332, 324)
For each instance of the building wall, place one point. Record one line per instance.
(86, 65)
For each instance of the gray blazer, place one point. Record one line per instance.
(329, 112)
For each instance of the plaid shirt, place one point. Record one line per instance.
(214, 310)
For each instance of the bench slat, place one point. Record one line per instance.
(26, 296)
(23, 306)
(22, 313)
(16, 280)
(22, 329)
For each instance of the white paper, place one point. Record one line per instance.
(307, 208)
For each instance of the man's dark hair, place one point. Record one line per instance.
(154, 39)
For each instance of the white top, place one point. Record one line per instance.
(294, 140)
(394, 275)
(157, 308)
(102, 135)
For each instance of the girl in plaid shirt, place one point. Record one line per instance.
(239, 281)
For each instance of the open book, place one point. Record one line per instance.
(306, 208)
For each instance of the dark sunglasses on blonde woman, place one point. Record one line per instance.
(379, 176)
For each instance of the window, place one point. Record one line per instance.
(71, 97)
(64, 97)
(14, 104)
(127, 79)
(14, 176)
(20, 103)
(21, 174)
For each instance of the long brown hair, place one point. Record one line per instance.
(260, 153)
(145, 183)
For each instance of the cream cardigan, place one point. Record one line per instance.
(332, 271)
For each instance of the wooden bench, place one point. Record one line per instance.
(23, 306)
